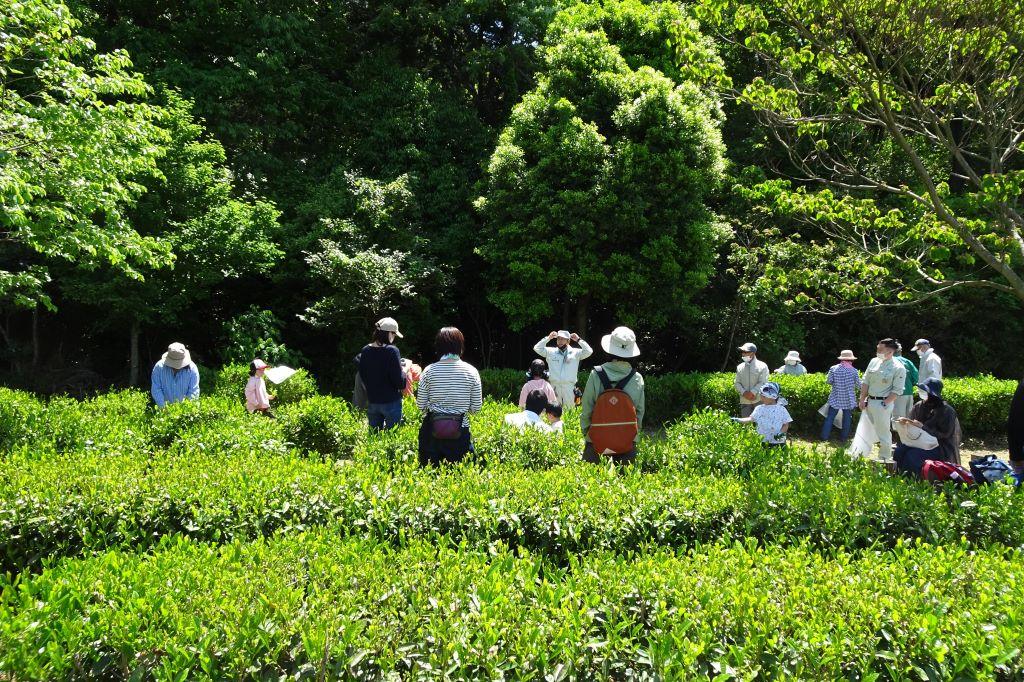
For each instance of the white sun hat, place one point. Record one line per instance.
(620, 343)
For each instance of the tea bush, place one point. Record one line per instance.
(229, 381)
(311, 606)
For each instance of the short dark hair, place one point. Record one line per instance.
(450, 340)
(555, 410)
(889, 343)
(381, 336)
(536, 401)
(252, 368)
(538, 368)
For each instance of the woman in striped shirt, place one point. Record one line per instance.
(449, 391)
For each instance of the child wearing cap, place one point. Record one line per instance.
(256, 397)
(771, 417)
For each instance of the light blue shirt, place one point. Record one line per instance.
(169, 386)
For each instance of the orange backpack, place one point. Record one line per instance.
(613, 424)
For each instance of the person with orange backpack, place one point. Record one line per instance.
(612, 413)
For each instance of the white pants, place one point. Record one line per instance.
(565, 392)
(880, 416)
(901, 408)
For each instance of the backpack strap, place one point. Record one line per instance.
(625, 382)
(606, 383)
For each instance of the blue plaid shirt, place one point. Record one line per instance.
(845, 382)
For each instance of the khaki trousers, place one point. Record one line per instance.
(880, 416)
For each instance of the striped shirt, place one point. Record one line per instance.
(450, 387)
(845, 382)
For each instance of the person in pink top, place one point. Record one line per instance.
(537, 380)
(256, 397)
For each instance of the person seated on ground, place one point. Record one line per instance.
(611, 424)
(554, 417)
(791, 365)
(256, 397)
(532, 416)
(175, 377)
(771, 417)
(537, 380)
(936, 418)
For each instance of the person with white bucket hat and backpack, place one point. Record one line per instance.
(612, 411)
(175, 377)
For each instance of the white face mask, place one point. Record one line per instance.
(923, 394)
(791, 362)
(921, 353)
(748, 358)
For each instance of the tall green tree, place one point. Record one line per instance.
(78, 139)
(215, 237)
(596, 190)
(911, 116)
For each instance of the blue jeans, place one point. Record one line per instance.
(826, 428)
(384, 415)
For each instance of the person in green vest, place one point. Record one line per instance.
(901, 408)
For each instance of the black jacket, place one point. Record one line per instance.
(1015, 425)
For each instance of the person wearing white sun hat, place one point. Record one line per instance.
(617, 374)
(175, 377)
(792, 365)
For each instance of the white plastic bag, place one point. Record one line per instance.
(279, 373)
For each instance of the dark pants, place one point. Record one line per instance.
(265, 412)
(384, 415)
(826, 428)
(434, 451)
(910, 460)
(591, 455)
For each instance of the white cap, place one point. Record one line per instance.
(563, 334)
(177, 356)
(919, 343)
(388, 324)
(620, 343)
(748, 348)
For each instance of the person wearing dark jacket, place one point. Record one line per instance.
(380, 369)
(937, 418)
(1015, 433)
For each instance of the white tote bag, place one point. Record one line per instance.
(864, 438)
(915, 437)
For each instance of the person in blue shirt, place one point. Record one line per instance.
(175, 377)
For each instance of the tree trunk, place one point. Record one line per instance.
(133, 371)
(582, 309)
(35, 338)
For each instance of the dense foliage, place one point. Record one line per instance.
(271, 177)
(202, 541)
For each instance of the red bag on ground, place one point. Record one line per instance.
(613, 424)
(934, 470)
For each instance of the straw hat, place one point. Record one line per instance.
(847, 355)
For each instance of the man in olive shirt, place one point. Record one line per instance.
(884, 382)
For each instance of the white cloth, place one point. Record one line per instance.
(557, 427)
(278, 374)
(750, 376)
(930, 367)
(837, 421)
(526, 419)
(915, 437)
(769, 420)
(864, 438)
(563, 367)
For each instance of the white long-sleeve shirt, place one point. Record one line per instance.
(930, 368)
(563, 366)
(750, 376)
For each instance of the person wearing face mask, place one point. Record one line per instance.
(844, 381)
(901, 408)
(563, 363)
(931, 364)
(751, 376)
(884, 382)
(936, 418)
(791, 365)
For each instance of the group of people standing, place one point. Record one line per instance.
(885, 395)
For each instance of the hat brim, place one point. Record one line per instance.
(917, 346)
(840, 357)
(929, 390)
(185, 361)
(399, 334)
(606, 345)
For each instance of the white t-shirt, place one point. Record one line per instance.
(527, 419)
(769, 420)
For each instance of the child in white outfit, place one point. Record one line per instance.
(771, 417)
